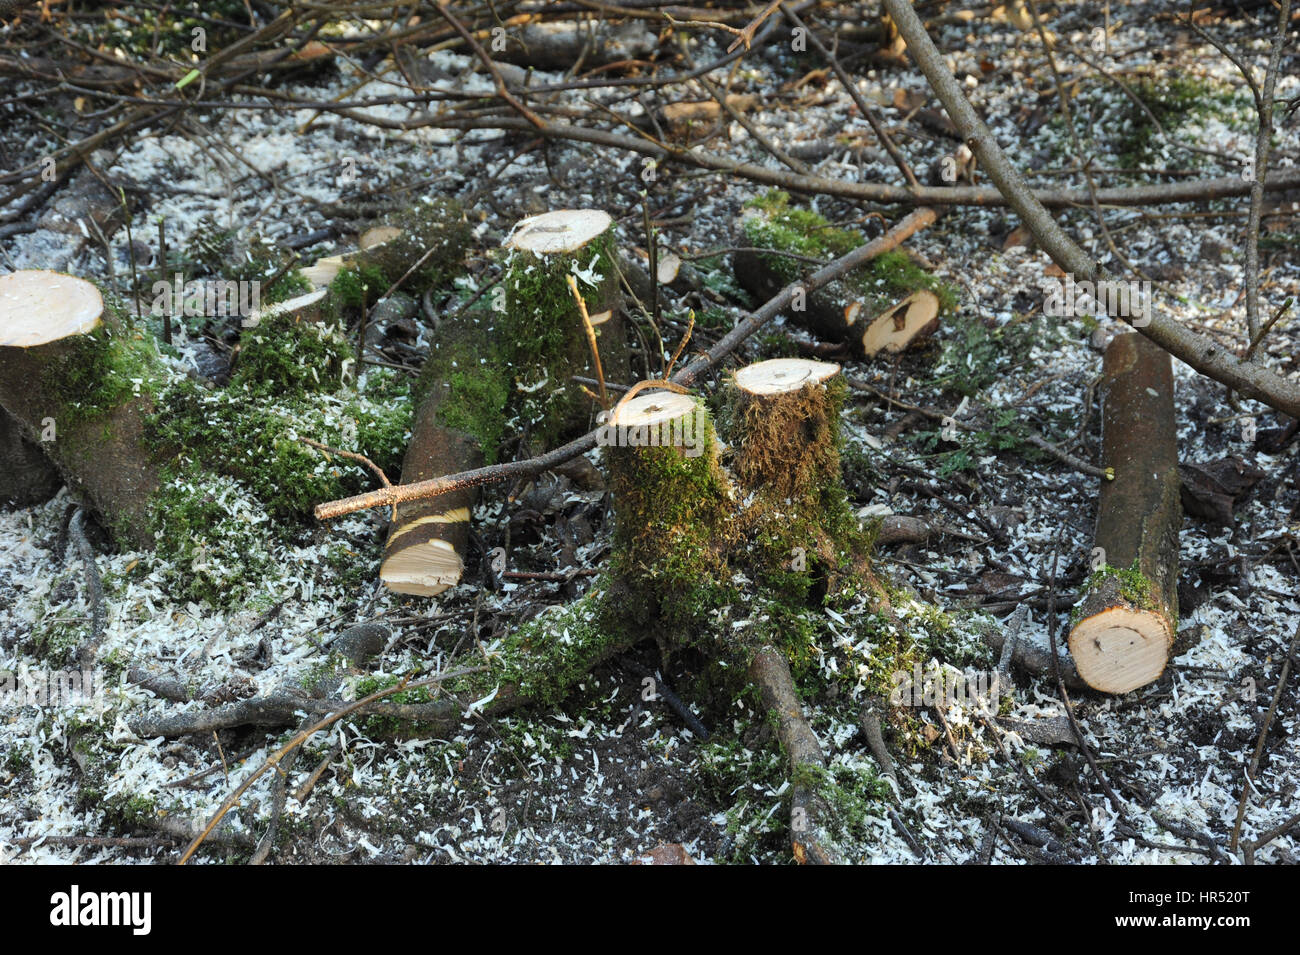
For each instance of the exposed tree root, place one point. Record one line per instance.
(808, 811)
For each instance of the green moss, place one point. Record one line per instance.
(126, 813)
(357, 286)
(465, 363)
(785, 228)
(97, 372)
(253, 436)
(546, 657)
(285, 355)
(1134, 586)
(433, 230)
(543, 339)
(671, 530)
(206, 531)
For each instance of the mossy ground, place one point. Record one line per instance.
(241, 482)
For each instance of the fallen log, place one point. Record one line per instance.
(424, 554)
(559, 46)
(65, 379)
(882, 307)
(1124, 626)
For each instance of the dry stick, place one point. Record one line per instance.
(906, 227)
(303, 735)
(747, 34)
(267, 842)
(1199, 190)
(1196, 350)
(1259, 744)
(502, 91)
(1265, 109)
(1269, 836)
(1281, 310)
(591, 340)
(866, 109)
(352, 455)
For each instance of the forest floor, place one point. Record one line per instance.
(607, 776)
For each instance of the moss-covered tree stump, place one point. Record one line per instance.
(544, 340)
(66, 377)
(782, 419)
(1125, 623)
(672, 508)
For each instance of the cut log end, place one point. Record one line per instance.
(39, 307)
(420, 560)
(781, 376)
(647, 411)
(565, 230)
(897, 328)
(1121, 648)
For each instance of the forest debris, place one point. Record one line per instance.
(808, 811)
(1213, 490)
(561, 45)
(1124, 625)
(671, 854)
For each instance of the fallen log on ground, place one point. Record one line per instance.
(885, 306)
(1125, 624)
(425, 551)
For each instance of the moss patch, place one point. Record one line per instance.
(777, 225)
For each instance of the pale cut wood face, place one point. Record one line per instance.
(653, 409)
(1120, 649)
(424, 570)
(38, 307)
(565, 230)
(894, 329)
(780, 376)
